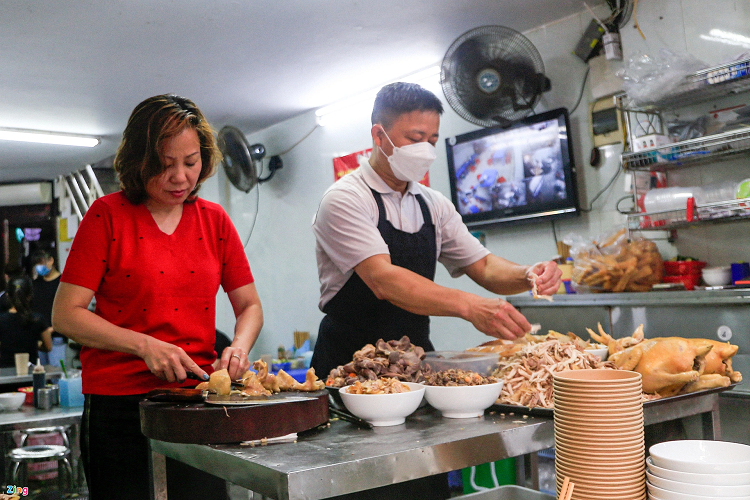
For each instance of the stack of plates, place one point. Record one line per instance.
(599, 434)
(694, 469)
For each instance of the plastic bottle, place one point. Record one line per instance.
(39, 380)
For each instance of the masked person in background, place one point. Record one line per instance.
(45, 287)
(379, 234)
(154, 256)
(21, 329)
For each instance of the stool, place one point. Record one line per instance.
(19, 459)
(61, 430)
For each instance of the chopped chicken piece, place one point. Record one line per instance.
(253, 387)
(311, 382)
(268, 380)
(284, 381)
(220, 383)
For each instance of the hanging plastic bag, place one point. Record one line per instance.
(614, 263)
(648, 78)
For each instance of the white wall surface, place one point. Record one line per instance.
(282, 247)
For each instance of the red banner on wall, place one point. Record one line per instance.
(345, 164)
(348, 163)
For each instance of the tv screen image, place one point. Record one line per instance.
(517, 173)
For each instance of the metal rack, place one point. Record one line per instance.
(724, 211)
(692, 152)
(702, 86)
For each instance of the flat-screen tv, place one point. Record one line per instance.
(523, 172)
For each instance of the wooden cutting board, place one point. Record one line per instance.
(201, 423)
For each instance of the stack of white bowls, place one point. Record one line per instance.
(698, 470)
(599, 441)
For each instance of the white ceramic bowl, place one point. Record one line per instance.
(383, 409)
(717, 276)
(662, 494)
(600, 352)
(702, 456)
(699, 489)
(463, 401)
(11, 400)
(695, 478)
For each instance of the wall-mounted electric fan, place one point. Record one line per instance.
(242, 161)
(493, 75)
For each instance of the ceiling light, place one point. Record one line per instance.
(727, 37)
(368, 97)
(40, 136)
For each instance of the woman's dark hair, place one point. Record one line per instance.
(398, 98)
(19, 292)
(152, 123)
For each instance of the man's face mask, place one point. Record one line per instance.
(411, 162)
(42, 270)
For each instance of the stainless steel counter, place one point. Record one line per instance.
(346, 459)
(712, 314)
(8, 376)
(28, 416)
(679, 298)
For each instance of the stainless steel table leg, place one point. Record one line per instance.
(711, 422)
(534, 466)
(158, 476)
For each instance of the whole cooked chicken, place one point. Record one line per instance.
(666, 364)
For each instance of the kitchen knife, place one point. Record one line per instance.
(240, 400)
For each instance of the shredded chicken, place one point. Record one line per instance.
(528, 373)
(534, 289)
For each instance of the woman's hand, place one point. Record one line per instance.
(235, 360)
(169, 362)
(548, 279)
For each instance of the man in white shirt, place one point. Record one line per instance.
(379, 234)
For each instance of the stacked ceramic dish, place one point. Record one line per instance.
(694, 469)
(599, 440)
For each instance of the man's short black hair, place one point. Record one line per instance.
(396, 99)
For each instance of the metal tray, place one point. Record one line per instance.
(549, 412)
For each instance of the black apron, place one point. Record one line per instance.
(356, 317)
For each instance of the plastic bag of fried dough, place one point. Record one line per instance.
(614, 263)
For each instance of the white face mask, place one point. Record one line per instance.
(411, 162)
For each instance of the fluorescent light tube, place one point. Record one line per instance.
(39, 136)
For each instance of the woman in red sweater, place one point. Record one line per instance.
(153, 255)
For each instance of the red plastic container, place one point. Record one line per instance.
(683, 267)
(29, 391)
(689, 280)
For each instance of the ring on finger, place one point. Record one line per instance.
(236, 356)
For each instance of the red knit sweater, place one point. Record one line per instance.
(150, 282)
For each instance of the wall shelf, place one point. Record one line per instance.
(709, 149)
(724, 211)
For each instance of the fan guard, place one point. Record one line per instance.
(493, 75)
(237, 160)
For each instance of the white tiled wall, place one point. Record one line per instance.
(281, 250)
